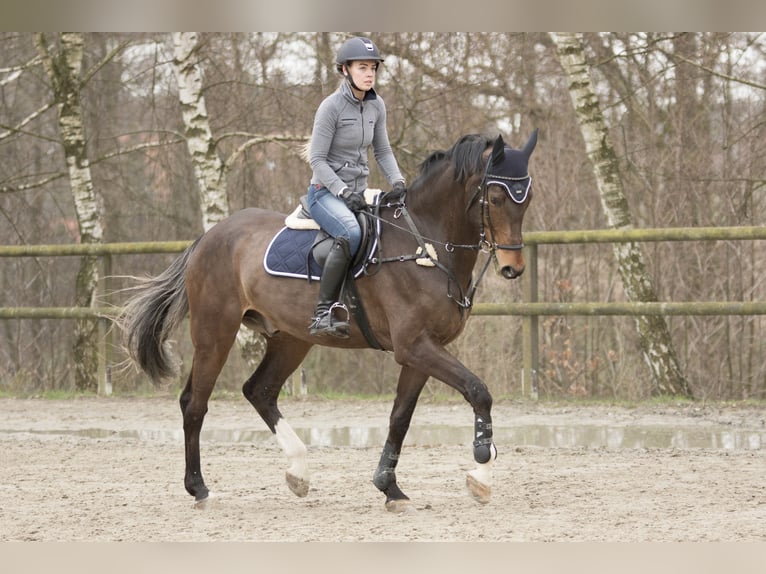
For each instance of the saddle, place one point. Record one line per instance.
(300, 219)
(301, 247)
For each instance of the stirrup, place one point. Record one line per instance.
(323, 323)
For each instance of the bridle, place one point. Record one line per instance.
(516, 192)
(517, 195)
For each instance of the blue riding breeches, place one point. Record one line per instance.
(331, 213)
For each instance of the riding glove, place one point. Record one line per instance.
(397, 192)
(354, 201)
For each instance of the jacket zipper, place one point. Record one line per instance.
(361, 145)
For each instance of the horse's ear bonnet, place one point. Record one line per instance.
(508, 167)
(498, 151)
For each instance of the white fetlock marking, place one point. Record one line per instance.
(294, 449)
(483, 472)
(211, 500)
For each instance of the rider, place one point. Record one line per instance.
(345, 125)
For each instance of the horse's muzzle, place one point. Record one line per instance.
(510, 272)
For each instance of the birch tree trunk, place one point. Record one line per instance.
(208, 167)
(64, 68)
(654, 335)
(209, 170)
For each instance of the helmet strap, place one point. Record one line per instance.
(350, 80)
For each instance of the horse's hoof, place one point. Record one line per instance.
(203, 503)
(478, 490)
(400, 506)
(299, 486)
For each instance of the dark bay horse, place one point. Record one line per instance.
(469, 198)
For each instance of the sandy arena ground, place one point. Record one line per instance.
(79, 470)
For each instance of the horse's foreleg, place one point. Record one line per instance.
(283, 355)
(434, 360)
(479, 480)
(408, 390)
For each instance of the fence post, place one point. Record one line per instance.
(297, 386)
(529, 325)
(105, 335)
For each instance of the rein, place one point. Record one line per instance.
(465, 300)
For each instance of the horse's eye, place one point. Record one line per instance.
(497, 199)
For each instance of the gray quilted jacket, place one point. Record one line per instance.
(344, 128)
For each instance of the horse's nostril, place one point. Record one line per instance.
(510, 273)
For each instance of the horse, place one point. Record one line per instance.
(417, 296)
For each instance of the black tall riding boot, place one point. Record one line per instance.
(333, 274)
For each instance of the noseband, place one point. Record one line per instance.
(517, 193)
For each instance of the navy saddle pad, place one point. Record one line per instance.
(288, 255)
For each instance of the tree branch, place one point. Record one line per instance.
(15, 71)
(105, 60)
(137, 147)
(255, 140)
(727, 77)
(18, 128)
(33, 185)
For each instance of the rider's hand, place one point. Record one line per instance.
(397, 192)
(353, 200)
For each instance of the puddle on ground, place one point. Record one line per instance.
(576, 436)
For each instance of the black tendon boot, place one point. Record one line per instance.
(333, 274)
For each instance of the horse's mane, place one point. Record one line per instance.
(465, 157)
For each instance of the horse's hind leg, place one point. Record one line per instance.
(211, 348)
(408, 390)
(283, 355)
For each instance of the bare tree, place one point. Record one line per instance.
(64, 67)
(656, 344)
(685, 117)
(210, 170)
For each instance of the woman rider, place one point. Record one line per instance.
(346, 124)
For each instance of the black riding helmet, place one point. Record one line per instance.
(356, 48)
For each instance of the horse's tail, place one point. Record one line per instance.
(151, 315)
(305, 151)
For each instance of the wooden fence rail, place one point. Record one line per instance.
(480, 309)
(530, 309)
